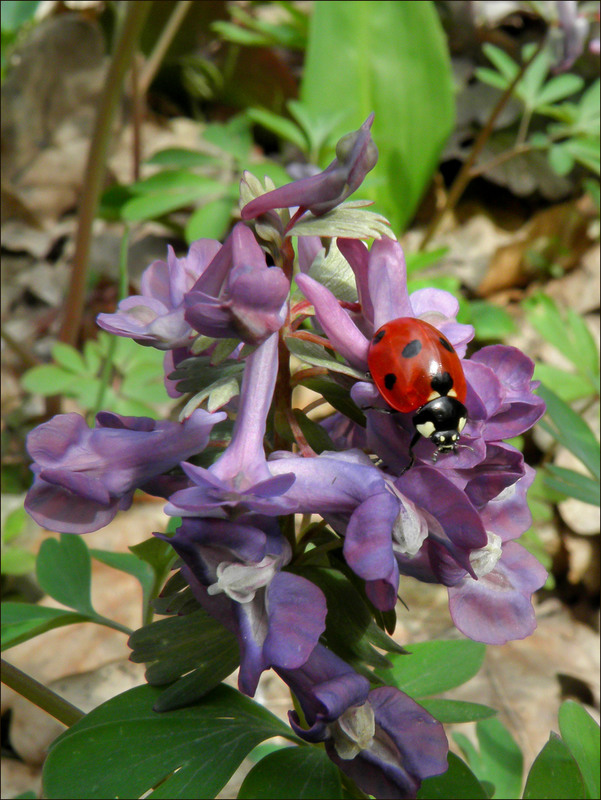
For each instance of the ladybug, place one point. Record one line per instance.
(416, 369)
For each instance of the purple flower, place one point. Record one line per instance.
(156, 317)
(239, 481)
(381, 279)
(235, 571)
(381, 738)
(84, 476)
(568, 45)
(238, 295)
(356, 155)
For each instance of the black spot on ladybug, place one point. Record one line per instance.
(379, 336)
(446, 345)
(442, 383)
(412, 349)
(389, 380)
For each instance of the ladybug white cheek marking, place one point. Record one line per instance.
(452, 393)
(426, 429)
(432, 396)
(461, 424)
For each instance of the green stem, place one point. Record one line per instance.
(40, 695)
(96, 165)
(464, 175)
(107, 367)
(158, 54)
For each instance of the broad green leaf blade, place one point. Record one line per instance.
(17, 561)
(124, 749)
(23, 621)
(558, 88)
(47, 379)
(344, 221)
(456, 710)
(573, 484)
(571, 431)
(501, 760)
(180, 158)
(317, 355)
(581, 734)
(211, 220)
(501, 60)
(390, 58)
(457, 781)
(132, 565)
(284, 128)
(568, 385)
(433, 667)
(554, 774)
(177, 645)
(155, 204)
(298, 773)
(64, 572)
(69, 358)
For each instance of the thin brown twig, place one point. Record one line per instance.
(162, 45)
(464, 175)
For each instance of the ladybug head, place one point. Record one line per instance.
(441, 420)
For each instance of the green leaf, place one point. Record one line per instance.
(433, 667)
(391, 58)
(233, 137)
(64, 571)
(457, 781)
(316, 436)
(491, 78)
(125, 749)
(14, 524)
(334, 272)
(417, 261)
(554, 774)
(132, 565)
(346, 220)
(293, 772)
(568, 385)
(571, 431)
(573, 484)
(284, 128)
(580, 732)
(337, 396)
(47, 380)
(16, 13)
(503, 62)
(586, 152)
(180, 158)
(560, 158)
(490, 322)
(500, 762)
(23, 621)
(69, 358)
(210, 221)
(318, 356)
(448, 711)
(174, 646)
(152, 205)
(17, 561)
(558, 88)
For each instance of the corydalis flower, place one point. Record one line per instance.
(84, 476)
(156, 316)
(239, 481)
(235, 571)
(238, 295)
(356, 155)
(382, 739)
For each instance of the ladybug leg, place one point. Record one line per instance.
(414, 441)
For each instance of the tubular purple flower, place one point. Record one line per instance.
(84, 476)
(156, 317)
(240, 480)
(235, 571)
(382, 739)
(238, 295)
(356, 155)
(568, 44)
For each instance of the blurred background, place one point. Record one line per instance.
(127, 127)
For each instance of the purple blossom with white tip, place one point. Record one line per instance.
(156, 316)
(238, 295)
(382, 739)
(235, 571)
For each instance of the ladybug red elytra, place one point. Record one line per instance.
(416, 368)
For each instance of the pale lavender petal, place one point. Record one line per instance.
(497, 608)
(357, 255)
(388, 282)
(342, 332)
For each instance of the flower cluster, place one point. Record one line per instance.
(453, 522)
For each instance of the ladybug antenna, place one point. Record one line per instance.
(465, 447)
